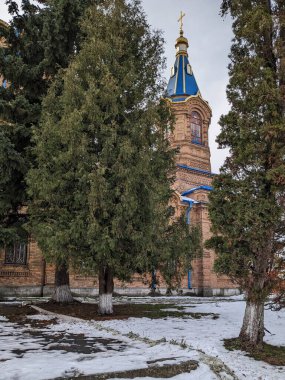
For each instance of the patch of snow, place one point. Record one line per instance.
(40, 317)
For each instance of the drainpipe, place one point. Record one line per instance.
(189, 279)
(188, 220)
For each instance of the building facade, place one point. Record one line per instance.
(193, 174)
(23, 270)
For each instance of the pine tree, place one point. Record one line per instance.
(101, 187)
(39, 41)
(247, 204)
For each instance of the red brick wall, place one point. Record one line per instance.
(19, 275)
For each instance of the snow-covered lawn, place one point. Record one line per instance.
(69, 347)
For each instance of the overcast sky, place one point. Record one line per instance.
(210, 40)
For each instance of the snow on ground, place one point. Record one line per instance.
(26, 354)
(207, 334)
(70, 348)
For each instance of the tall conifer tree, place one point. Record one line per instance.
(41, 38)
(104, 167)
(247, 204)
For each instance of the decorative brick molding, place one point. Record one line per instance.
(4, 273)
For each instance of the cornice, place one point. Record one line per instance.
(184, 102)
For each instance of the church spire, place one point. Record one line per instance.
(182, 82)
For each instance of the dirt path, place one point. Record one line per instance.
(217, 366)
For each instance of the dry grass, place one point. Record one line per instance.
(274, 355)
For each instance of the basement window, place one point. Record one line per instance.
(16, 253)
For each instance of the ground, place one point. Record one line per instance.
(175, 337)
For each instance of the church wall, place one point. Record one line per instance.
(197, 156)
(204, 279)
(18, 279)
(185, 181)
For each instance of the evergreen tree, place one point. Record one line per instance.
(247, 204)
(180, 245)
(40, 40)
(101, 187)
(19, 109)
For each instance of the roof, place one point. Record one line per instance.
(191, 191)
(182, 82)
(189, 200)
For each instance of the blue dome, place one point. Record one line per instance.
(182, 82)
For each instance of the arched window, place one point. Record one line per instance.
(196, 128)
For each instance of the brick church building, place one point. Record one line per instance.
(23, 270)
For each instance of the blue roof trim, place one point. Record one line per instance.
(191, 191)
(196, 170)
(188, 200)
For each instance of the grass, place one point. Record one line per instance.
(274, 355)
(163, 311)
(161, 372)
(152, 311)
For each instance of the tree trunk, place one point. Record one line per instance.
(281, 17)
(62, 293)
(252, 330)
(106, 287)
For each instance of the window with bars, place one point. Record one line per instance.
(196, 128)
(16, 253)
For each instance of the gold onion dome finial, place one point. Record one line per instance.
(181, 42)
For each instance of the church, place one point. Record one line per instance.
(23, 270)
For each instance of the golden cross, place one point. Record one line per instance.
(181, 20)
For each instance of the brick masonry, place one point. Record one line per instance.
(197, 156)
